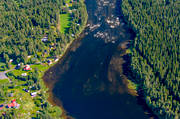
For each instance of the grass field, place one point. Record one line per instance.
(40, 67)
(27, 103)
(68, 1)
(65, 22)
(3, 81)
(2, 64)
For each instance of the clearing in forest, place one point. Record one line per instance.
(65, 21)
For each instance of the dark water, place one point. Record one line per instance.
(89, 82)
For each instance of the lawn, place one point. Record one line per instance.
(65, 21)
(4, 81)
(18, 72)
(27, 105)
(40, 67)
(67, 1)
(26, 101)
(2, 64)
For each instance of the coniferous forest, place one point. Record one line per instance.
(23, 24)
(34, 34)
(155, 59)
(34, 31)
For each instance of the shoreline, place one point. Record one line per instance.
(127, 82)
(49, 85)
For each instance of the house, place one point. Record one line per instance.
(11, 60)
(52, 46)
(27, 68)
(55, 60)
(70, 11)
(29, 56)
(33, 94)
(49, 62)
(77, 24)
(72, 35)
(45, 52)
(24, 74)
(10, 94)
(18, 66)
(26, 90)
(44, 39)
(13, 104)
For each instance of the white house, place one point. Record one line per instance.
(34, 94)
(11, 60)
(24, 74)
(44, 39)
(56, 60)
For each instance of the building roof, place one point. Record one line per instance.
(27, 67)
(13, 104)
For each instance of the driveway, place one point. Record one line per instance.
(3, 74)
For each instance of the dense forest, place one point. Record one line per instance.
(156, 53)
(24, 23)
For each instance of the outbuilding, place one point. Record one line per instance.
(24, 74)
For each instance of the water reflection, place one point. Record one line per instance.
(89, 81)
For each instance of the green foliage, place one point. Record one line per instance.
(3, 81)
(23, 24)
(155, 54)
(64, 22)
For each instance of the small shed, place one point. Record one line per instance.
(24, 74)
(26, 90)
(55, 60)
(44, 39)
(11, 60)
(18, 66)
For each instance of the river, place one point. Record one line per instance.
(88, 81)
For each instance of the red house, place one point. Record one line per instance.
(27, 68)
(13, 104)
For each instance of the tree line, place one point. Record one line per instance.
(155, 57)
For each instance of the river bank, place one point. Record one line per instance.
(50, 84)
(88, 80)
(25, 95)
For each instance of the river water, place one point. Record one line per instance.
(88, 81)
